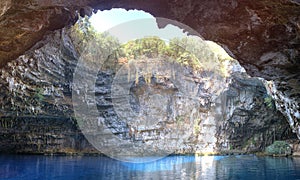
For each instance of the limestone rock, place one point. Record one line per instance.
(262, 35)
(37, 114)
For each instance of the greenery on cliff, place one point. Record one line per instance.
(188, 51)
(279, 148)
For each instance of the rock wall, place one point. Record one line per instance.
(262, 35)
(37, 115)
(251, 120)
(36, 107)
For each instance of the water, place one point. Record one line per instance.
(32, 167)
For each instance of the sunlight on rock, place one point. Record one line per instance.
(221, 53)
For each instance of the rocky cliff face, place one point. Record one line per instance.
(36, 109)
(262, 35)
(37, 114)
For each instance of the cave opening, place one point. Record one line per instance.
(207, 92)
(104, 20)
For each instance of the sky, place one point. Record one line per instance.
(104, 20)
(132, 24)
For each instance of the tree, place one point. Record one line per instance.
(149, 47)
(94, 46)
(189, 51)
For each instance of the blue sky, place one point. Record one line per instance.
(104, 20)
(133, 24)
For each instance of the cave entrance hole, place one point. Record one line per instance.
(203, 67)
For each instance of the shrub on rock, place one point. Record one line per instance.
(279, 148)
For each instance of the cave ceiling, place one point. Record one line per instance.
(262, 35)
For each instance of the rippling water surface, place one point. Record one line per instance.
(27, 167)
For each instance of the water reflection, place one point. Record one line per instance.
(172, 167)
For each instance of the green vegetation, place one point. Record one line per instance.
(149, 47)
(231, 147)
(269, 102)
(179, 119)
(279, 148)
(197, 128)
(190, 51)
(92, 45)
(38, 95)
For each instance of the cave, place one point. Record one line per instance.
(263, 37)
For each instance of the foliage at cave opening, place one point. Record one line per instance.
(177, 50)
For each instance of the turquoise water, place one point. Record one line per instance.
(30, 167)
